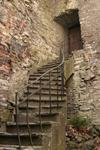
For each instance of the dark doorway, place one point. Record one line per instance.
(73, 39)
(69, 20)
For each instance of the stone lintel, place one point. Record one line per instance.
(68, 19)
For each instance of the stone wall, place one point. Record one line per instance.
(84, 86)
(28, 39)
(61, 6)
(89, 14)
(89, 18)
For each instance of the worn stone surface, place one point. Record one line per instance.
(68, 67)
(82, 88)
(61, 6)
(28, 39)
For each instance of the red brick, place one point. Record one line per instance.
(3, 37)
(4, 94)
(1, 46)
(24, 55)
(86, 55)
(4, 69)
(2, 54)
(3, 51)
(7, 31)
(21, 25)
(12, 13)
(7, 64)
(27, 11)
(4, 22)
(26, 49)
(15, 18)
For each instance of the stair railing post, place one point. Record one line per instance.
(60, 54)
(40, 103)
(63, 79)
(61, 84)
(50, 91)
(57, 88)
(27, 117)
(16, 94)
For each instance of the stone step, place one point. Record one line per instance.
(39, 131)
(35, 109)
(45, 78)
(46, 87)
(45, 82)
(48, 68)
(7, 148)
(53, 71)
(32, 148)
(53, 95)
(16, 147)
(44, 98)
(54, 88)
(9, 138)
(54, 60)
(45, 92)
(34, 127)
(44, 102)
(53, 84)
(53, 63)
(35, 117)
(39, 74)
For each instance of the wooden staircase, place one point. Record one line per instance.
(48, 128)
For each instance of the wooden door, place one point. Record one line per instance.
(75, 42)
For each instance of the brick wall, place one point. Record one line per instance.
(12, 48)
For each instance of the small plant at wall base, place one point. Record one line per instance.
(78, 122)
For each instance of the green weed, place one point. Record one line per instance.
(79, 122)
